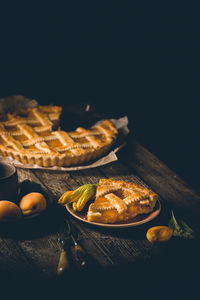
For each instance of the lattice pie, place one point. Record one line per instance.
(32, 136)
(118, 201)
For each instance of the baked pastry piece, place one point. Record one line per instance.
(118, 201)
(32, 136)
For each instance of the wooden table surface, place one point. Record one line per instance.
(29, 251)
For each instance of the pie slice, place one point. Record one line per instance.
(32, 136)
(118, 201)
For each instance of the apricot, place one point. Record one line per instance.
(9, 210)
(32, 203)
(159, 234)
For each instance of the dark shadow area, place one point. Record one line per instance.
(171, 273)
(34, 225)
(138, 59)
(38, 226)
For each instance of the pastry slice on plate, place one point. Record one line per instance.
(118, 201)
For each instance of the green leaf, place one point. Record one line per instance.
(180, 228)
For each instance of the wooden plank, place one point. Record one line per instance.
(119, 171)
(87, 176)
(43, 253)
(57, 187)
(161, 179)
(24, 174)
(30, 247)
(105, 247)
(13, 258)
(58, 182)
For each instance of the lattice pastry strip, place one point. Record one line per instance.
(68, 143)
(122, 201)
(12, 143)
(29, 136)
(116, 202)
(32, 135)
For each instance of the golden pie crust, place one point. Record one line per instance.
(117, 201)
(32, 136)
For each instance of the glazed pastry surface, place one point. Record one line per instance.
(118, 201)
(32, 136)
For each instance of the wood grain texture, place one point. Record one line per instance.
(32, 249)
(173, 190)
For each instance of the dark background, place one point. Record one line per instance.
(139, 58)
